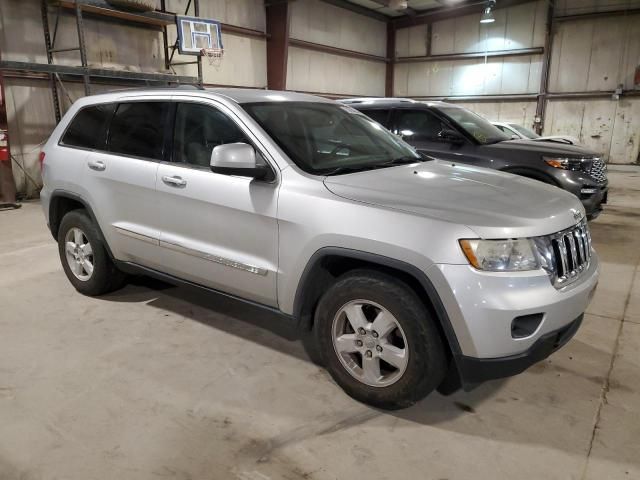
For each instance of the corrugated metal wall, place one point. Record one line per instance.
(245, 58)
(110, 45)
(324, 24)
(588, 55)
(516, 27)
(593, 55)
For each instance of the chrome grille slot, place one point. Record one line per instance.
(571, 252)
(598, 170)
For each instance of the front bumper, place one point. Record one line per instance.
(473, 371)
(591, 193)
(482, 306)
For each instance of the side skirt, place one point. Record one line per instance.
(135, 269)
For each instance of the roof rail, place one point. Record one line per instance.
(376, 100)
(168, 87)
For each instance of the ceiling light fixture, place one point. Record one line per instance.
(398, 4)
(487, 15)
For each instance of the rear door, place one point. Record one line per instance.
(121, 180)
(217, 230)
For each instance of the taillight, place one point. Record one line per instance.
(41, 159)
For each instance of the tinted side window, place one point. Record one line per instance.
(380, 116)
(137, 129)
(419, 125)
(89, 127)
(200, 128)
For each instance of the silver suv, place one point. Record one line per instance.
(414, 274)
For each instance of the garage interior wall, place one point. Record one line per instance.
(110, 45)
(338, 53)
(590, 57)
(329, 73)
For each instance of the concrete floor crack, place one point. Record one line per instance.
(607, 381)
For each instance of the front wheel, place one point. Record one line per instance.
(378, 341)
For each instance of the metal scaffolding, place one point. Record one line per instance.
(157, 20)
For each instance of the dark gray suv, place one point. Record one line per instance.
(454, 133)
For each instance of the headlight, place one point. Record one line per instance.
(567, 163)
(501, 255)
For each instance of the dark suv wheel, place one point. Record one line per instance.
(378, 340)
(84, 259)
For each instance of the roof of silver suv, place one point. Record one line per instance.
(238, 95)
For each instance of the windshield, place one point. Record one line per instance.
(524, 131)
(476, 126)
(329, 139)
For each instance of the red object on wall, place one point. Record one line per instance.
(636, 78)
(4, 146)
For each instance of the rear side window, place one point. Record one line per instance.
(380, 116)
(137, 129)
(88, 128)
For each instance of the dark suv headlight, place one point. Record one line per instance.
(575, 164)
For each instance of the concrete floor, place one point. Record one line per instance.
(158, 382)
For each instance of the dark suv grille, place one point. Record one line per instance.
(571, 250)
(598, 170)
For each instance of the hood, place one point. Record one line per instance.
(493, 204)
(544, 148)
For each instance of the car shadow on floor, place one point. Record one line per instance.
(279, 333)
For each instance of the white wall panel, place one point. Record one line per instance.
(412, 41)
(606, 126)
(579, 7)
(319, 72)
(595, 54)
(109, 45)
(521, 26)
(522, 113)
(243, 13)
(505, 75)
(325, 24)
(245, 58)
(244, 63)
(31, 119)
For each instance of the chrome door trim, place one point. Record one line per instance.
(214, 258)
(137, 236)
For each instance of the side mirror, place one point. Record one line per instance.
(450, 136)
(237, 159)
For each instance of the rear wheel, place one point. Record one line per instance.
(378, 340)
(84, 258)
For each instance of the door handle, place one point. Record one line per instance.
(97, 165)
(174, 181)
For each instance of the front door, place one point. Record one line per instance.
(217, 230)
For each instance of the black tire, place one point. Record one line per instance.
(427, 363)
(105, 277)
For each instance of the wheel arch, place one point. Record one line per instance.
(63, 202)
(328, 263)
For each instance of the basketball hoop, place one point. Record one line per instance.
(214, 55)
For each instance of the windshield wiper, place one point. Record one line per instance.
(373, 166)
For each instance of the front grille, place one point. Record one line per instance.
(598, 170)
(569, 254)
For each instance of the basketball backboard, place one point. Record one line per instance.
(196, 33)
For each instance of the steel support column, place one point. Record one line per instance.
(7, 182)
(391, 60)
(81, 44)
(541, 105)
(278, 16)
(196, 9)
(49, 46)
